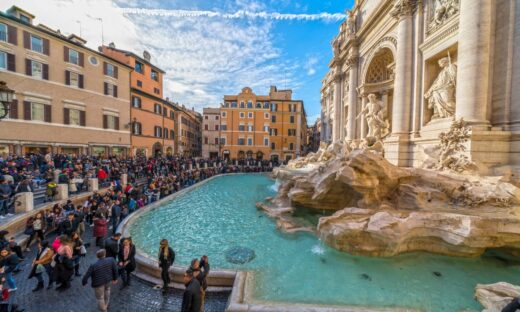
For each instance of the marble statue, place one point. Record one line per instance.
(452, 154)
(375, 115)
(351, 23)
(441, 95)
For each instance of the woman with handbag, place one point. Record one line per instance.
(41, 264)
(126, 262)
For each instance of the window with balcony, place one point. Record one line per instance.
(139, 67)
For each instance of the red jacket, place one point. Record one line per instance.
(102, 175)
(100, 228)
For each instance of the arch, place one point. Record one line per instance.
(169, 151)
(249, 154)
(241, 155)
(389, 43)
(157, 149)
(379, 69)
(259, 155)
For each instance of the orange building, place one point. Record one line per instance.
(259, 127)
(153, 120)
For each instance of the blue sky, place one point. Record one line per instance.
(205, 52)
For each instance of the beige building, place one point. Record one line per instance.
(188, 125)
(210, 132)
(68, 98)
(403, 70)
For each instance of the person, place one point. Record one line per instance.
(77, 252)
(200, 270)
(166, 259)
(69, 226)
(41, 264)
(100, 230)
(10, 262)
(5, 193)
(512, 306)
(116, 215)
(112, 245)
(36, 226)
(101, 274)
(51, 191)
(191, 299)
(126, 260)
(64, 264)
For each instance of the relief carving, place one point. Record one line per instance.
(441, 95)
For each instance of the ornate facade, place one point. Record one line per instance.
(404, 70)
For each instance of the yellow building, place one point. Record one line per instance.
(260, 127)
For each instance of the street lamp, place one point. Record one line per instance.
(6, 97)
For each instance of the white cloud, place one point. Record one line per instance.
(310, 65)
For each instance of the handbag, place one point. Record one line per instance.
(82, 250)
(28, 231)
(39, 269)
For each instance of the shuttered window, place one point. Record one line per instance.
(37, 111)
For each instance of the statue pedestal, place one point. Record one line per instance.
(93, 185)
(63, 192)
(56, 175)
(124, 179)
(24, 202)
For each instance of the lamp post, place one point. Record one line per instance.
(6, 97)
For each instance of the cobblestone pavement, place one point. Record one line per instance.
(139, 297)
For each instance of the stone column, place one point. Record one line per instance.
(124, 179)
(24, 202)
(93, 184)
(336, 131)
(63, 191)
(474, 61)
(403, 67)
(363, 121)
(384, 98)
(56, 175)
(352, 95)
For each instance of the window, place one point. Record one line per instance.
(249, 141)
(266, 128)
(266, 141)
(156, 90)
(234, 104)
(274, 107)
(74, 117)
(110, 70)
(93, 60)
(250, 115)
(258, 105)
(216, 141)
(291, 146)
(37, 112)
(216, 127)
(139, 83)
(36, 44)
(37, 69)
(291, 118)
(273, 118)
(25, 19)
(165, 112)
(249, 104)
(242, 105)
(205, 140)
(154, 75)
(250, 128)
(3, 32)
(273, 146)
(139, 67)
(241, 128)
(224, 114)
(74, 79)
(110, 89)
(73, 56)
(216, 117)
(223, 127)
(172, 114)
(111, 122)
(172, 134)
(274, 132)
(206, 117)
(206, 127)
(291, 132)
(266, 104)
(157, 109)
(242, 115)
(266, 115)
(165, 133)
(136, 102)
(158, 132)
(241, 141)
(3, 59)
(136, 129)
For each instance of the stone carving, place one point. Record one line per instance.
(375, 114)
(441, 95)
(443, 10)
(494, 297)
(351, 23)
(450, 154)
(402, 8)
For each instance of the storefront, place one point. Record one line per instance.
(71, 150)
(100, 151)
(4, 150)
(34, 149)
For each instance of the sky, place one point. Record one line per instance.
(209, 48)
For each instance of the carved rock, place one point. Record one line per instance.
(494, 297)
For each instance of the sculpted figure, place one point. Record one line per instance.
(441, 95)
(351, 22)
(444, 9)
(375, 115)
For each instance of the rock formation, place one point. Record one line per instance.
(494, 297)
(384, 210)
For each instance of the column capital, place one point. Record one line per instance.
(352, 60)
(403, 8)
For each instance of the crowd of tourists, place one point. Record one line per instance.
(59, 232)
(164, 174)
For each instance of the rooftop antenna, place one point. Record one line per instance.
(102, 32)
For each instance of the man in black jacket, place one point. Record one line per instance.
(192, 299)
(102, 273)
(112, 245)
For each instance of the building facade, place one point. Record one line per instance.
(403, 70)
(211, 133)
(259, 127)
(68, 98)
(153, 120)
(313, 136)
(188, 141)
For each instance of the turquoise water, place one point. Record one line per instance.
(298, 267)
